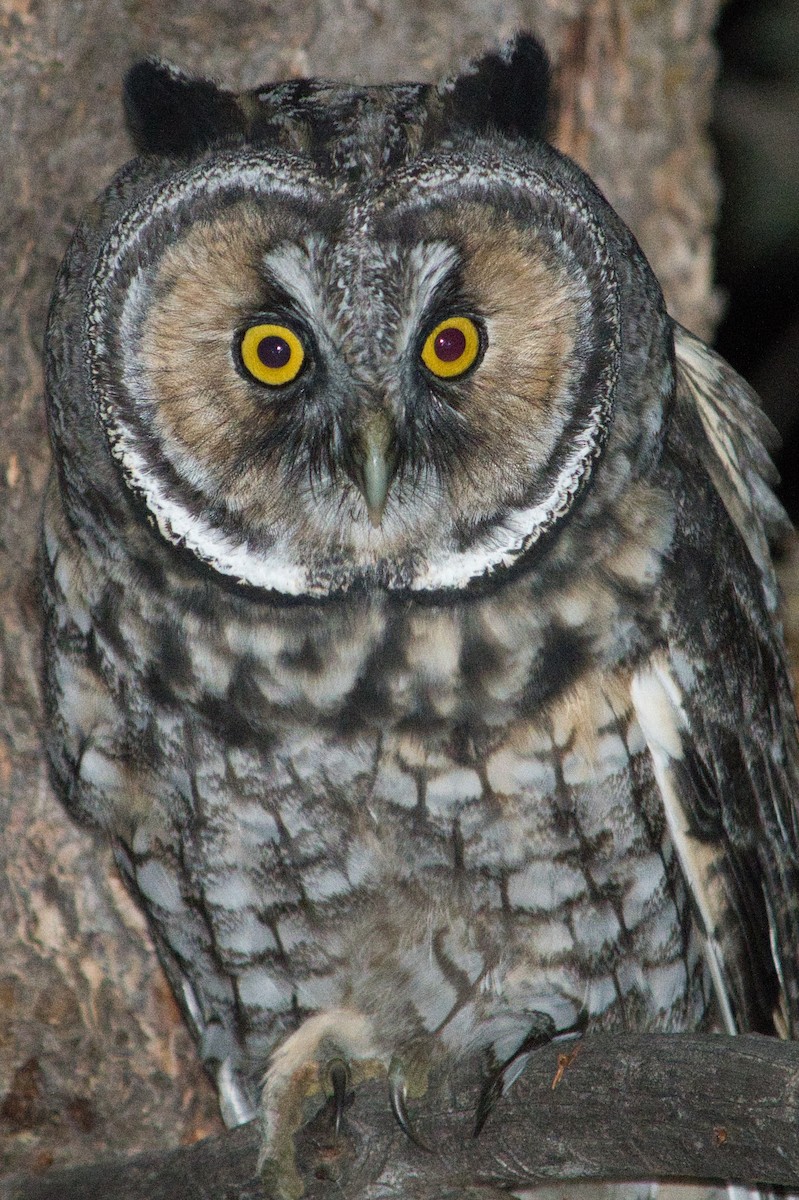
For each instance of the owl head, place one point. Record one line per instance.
(379, 337)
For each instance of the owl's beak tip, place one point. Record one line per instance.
(377, 469)
(376, 480)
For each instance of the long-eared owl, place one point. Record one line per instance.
(410, 623)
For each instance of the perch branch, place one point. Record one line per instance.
(625, 1107)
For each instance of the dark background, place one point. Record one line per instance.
(756, 128)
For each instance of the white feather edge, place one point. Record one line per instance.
(658, 707)
(236, 1107)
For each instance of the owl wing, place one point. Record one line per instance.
(739, 439)
(715, 701)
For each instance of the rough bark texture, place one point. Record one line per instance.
(93, 1054)
(632, 1107)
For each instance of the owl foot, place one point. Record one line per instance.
(324, 1059)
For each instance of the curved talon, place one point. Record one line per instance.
(490, 1092)
(398, 1095)
(503, 1077)
(498, 1083)
(339, 1074)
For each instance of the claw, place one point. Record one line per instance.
(499, 1081)
(339, 1074)
(497, 1084)
(490, 1092)
(398, 1095)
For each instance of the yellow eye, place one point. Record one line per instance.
(452, 347)
(272, 354)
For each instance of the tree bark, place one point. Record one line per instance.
(93, 1055)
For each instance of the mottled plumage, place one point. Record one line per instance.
(432, 709)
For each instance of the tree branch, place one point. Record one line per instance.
(630, 1106)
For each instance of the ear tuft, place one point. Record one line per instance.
(168, 113)
(507, 90)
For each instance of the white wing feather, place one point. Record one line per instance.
(656, 699)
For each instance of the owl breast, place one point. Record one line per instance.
(444, 815)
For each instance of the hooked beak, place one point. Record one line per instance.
(377, 463)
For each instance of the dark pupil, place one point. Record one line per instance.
(450, 344)
(274, 351)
